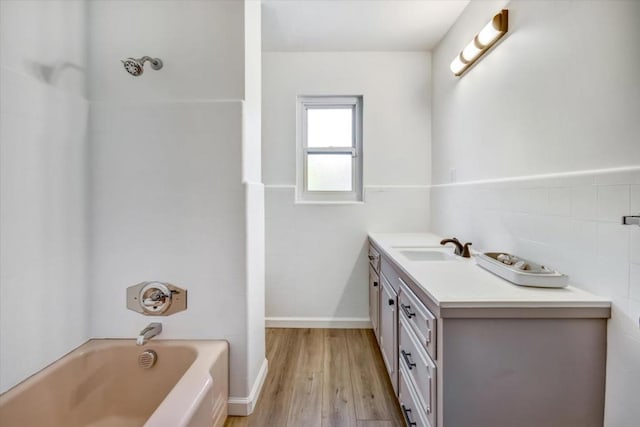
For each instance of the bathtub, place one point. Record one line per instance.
(101, 384)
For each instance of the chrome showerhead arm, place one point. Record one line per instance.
(135, 67)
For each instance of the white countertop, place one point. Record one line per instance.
(462, 283)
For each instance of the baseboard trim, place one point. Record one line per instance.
(319, 322)
(243, 406)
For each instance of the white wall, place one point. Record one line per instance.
(43, 145)
(559, 93)
(254, 194)
(560, 96)
(168, 198)
(200, 41)
(316, 260)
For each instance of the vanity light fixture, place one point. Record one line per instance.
(487, 37)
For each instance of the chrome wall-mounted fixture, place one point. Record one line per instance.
(631, 220)
(487, 37)
(135, 67)
(152, 330)
(156, 298)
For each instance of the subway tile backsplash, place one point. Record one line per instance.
(635, 199)
(612, 200)
(570, 222)
(583, 202)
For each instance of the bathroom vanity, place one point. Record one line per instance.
(466, 348)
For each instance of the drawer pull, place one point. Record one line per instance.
(375, 284)
(406, 411)
(428, 340)
(408, 361)
(407, 310)
(391, 301)
(430, 394)
(371, 257)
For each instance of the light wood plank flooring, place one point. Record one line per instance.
(324, 378)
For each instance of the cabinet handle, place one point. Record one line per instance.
(428, 340)
(430, 394)
(375, 284)
(406, 411)
(408, 361)
(371, 257)
(406, 309)
(391, 302)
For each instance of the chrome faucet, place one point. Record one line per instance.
(149, 332)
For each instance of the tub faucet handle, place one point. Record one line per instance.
(156, 298)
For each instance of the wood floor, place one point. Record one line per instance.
(324, 377)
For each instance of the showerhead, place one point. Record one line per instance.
(135, 67)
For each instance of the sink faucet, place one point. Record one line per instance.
(460, 250)
(149, 332)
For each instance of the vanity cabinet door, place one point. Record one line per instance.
(412, 412)
(389, 330)
(374, 301)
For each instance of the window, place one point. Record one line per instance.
(329, 165)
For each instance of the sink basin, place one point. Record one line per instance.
(427, 254)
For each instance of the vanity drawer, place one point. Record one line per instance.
(422, 322)
(388, 270)
(374, 258)
(413, 414)
(420, 369)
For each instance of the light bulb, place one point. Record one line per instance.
(489, 33)
(471, 51)
(457, 66)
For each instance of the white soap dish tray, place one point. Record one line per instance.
(521, 271)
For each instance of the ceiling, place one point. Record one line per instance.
(356, 25)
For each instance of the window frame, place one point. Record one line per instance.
(304, 103)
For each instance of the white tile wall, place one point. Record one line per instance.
(612, 199)
(634, 280)
(635, 199)
(583, 202)
(635, 245)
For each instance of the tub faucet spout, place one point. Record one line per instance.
(149, 332)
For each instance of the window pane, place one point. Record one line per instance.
(329, 127)
(329, 172)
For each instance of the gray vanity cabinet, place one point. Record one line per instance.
(490, 365)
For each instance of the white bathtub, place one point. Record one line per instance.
(100, 384)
